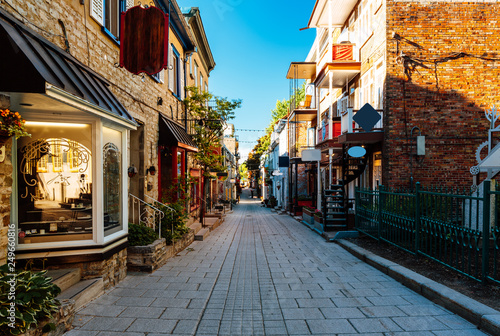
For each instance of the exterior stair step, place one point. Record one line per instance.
(196, 227)
(202, 234)
(65, 278)
(83, 292)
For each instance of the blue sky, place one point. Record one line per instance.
(253, 43)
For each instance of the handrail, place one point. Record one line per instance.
(148, 213)
(169, 208)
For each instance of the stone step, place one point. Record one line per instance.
(202, 234)
(83, 292)
(196, 227)
(65, 278)
(213, 223)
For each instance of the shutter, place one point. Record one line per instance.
(130, 4)
(97, 11)
(181, 75)
(170, 68)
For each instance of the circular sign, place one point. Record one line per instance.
(356, 151)
(22, 234)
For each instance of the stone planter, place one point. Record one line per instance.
(318, 224)
(62, 320)
(151, 257)
(307, 217)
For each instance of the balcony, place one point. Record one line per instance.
(353, 133)
(323, 136)
(338, 62)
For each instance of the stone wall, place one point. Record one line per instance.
(5, 190)
(442, 73)
(151, 257)
(138, 94)
(112, 269)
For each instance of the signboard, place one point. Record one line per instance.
(283, 161)
(311, 155)
(356, 151)
(144, 40)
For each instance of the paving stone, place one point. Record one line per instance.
(102, 310)
(108, 323)
(335, 313)
(135, 301)
(336, 326)
(144, 312)
(375, 325)
(419, 323)
(264, 274)
(153, 325)
(77, 332)
(424, 310)
(302, 314)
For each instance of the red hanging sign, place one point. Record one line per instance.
(144, 40)
(342, 52)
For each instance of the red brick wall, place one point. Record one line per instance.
(445, 99)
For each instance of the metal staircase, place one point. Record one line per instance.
(335, 208)
(335, 205)
(352, 167)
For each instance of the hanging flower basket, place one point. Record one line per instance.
(11, 124)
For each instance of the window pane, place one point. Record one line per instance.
(175, 74)
(55, 183)
(112, 158)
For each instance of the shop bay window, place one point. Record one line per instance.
(54, 198)
(62, 194)
(112, 177)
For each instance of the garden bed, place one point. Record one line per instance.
(151, 257)
(488, 294)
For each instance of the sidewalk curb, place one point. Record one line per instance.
(486, 318)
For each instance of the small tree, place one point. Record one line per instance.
(210, 114)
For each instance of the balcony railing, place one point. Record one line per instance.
(350, 126)
(324, 132)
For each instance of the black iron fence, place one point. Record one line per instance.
(456, 230)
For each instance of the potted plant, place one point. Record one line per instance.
(11, 124)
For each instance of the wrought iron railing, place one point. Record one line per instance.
(143, 213)
(457, 230)
(171, 210)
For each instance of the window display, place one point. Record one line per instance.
(55, 183)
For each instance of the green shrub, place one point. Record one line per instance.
(34, 300)
(140, 235)
(174, 222)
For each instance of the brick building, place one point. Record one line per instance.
(66, 187)
(425, 68)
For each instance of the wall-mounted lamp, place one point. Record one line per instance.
(151, 170)
(132, 171)
(159, 101)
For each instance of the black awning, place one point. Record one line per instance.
(172, 134)
(28, 62)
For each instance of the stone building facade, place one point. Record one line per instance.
(69, 30)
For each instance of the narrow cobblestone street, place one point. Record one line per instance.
(261, 273)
